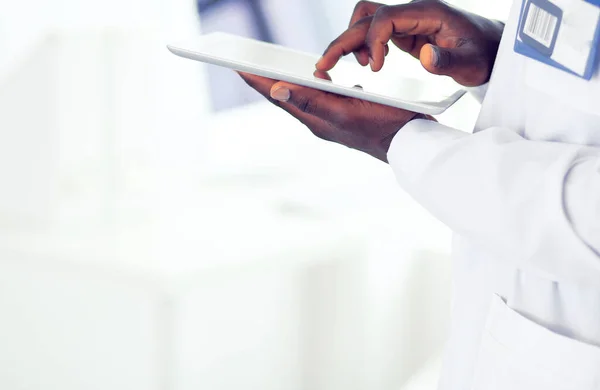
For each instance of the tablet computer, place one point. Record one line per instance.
(347, 78)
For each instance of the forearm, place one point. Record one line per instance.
(529, 200)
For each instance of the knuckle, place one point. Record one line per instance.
(306, 105)
(380, 19)
(429, 4)
(337, 117)
(361, 6)
(362, 23)
(343, 118)
(436, 4)
(384, 12)
(387, 13)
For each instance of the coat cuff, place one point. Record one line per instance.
(417, 144)
(478, 92)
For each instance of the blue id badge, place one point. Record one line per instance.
(564, 34)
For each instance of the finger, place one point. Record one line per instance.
(410, 19)
(362, 56)
(264, 85)
(350, 41)
(302, 114)
(309, 101)
(462, 63)
(363, 9)
(322, 75)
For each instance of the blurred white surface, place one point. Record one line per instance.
(143, 263)
(302, 320)
(427, 377)
(148, 244)
(70, 323)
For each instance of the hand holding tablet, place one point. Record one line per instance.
(353, 105)
(345, 78)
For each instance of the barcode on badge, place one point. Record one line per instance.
(540, 25)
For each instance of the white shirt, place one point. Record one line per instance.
(522, 195)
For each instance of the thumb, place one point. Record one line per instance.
(463, 64)
(309, 101)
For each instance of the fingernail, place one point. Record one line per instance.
(281, 94)
(371, 62)
(320, 60)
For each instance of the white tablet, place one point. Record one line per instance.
(280, 63)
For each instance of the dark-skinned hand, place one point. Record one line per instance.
(448, 41)
(355, 123)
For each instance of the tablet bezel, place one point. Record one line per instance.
(194, 50)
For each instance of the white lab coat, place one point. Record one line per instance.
(523, 196)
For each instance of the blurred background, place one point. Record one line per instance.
(163, 228)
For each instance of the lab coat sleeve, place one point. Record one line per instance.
(536, 203)
(478, 92)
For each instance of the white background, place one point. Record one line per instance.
(121, 190)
